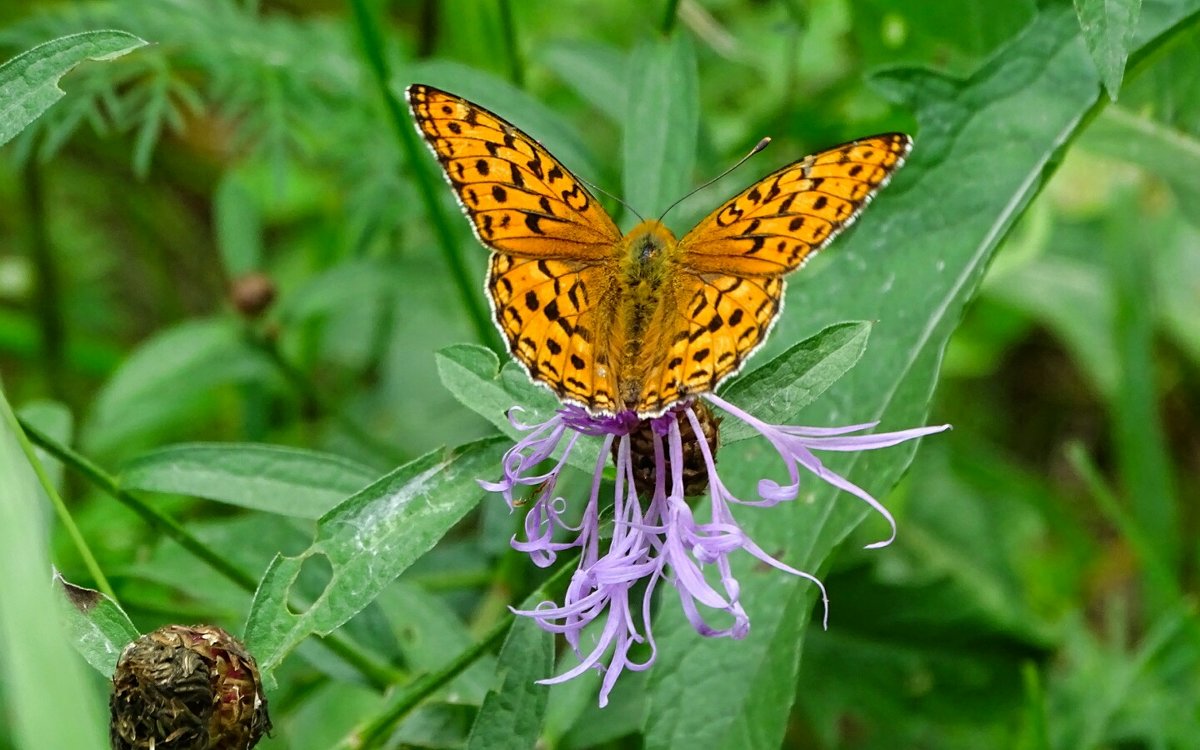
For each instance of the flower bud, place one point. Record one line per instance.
(187, 688)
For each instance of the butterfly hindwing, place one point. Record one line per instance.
(706, 333)
(547, 311)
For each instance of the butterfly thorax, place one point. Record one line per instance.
(647, 257)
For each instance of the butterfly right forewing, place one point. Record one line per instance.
(732, 264)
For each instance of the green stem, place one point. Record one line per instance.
(312, 396)
(47, 305)
(428, 184)
(379, 729)
(375, 732)
(380, 676)
(1158, 575)
(60, 508)
(670, 15)
(508, 27)
(1141, 445)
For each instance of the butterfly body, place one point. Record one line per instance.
(641, 321)
(649, 256)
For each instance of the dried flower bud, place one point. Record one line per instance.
(187, 688)
(252, 294)
(695, 472)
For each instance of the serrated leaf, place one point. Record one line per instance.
(29, 81)
(97, 626)
(776, 391)
(367, 541)
(288, 481)
(912, 264)
(1108, 27)
(662, 116)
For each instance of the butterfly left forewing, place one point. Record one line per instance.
(731, 266)
(519, 198)
(553, 245)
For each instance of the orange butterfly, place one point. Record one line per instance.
(642, 321)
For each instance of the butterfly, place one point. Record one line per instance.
(640, 321)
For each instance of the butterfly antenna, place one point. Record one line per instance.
(599, 189)
(757, 147)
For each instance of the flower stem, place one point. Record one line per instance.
(320, 405)
(376, 731)
(380, 676)
(472, 302)
(670, 14)
(516, 64)
(47, 305)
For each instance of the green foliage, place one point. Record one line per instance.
(230, 262)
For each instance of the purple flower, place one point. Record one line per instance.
(659, 538)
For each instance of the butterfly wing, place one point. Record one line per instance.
(553, 244)
(519, 198)
(552, 315)
(731, 285)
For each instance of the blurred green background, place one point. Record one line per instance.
(1042, 589)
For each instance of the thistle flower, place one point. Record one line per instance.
(655, 533)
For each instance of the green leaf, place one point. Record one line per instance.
(473, 374)
(33, 649)
(1138, 139)
(776, 391)
(511, 715)
(56, 420)
(331, 292)
(662, 116)
(287, 481)
(97, 626)
(29, 81)
(165, 381)
(912, 263)
(1075, 300)
(1108, 27)
(594, 71)
(367, 541)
